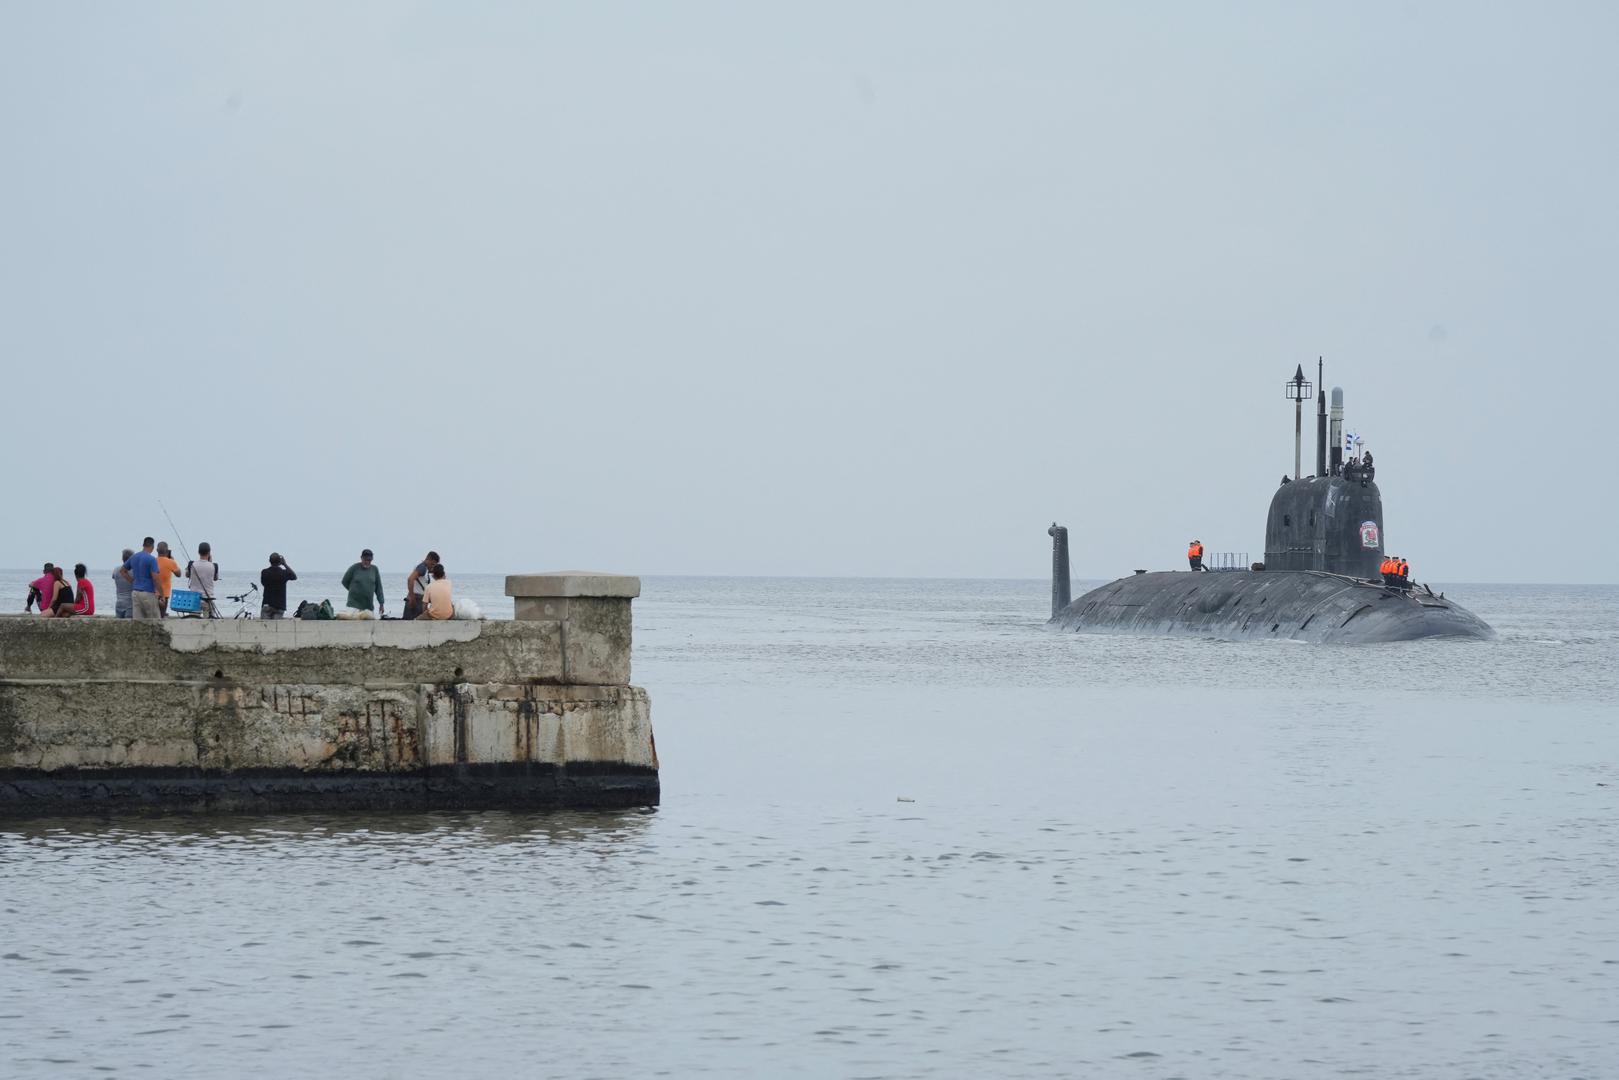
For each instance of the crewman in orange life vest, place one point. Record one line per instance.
(1388, 569)
(1194, 554)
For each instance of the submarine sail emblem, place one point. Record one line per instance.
(1322, 579)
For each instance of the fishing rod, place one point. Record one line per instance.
(176, 529)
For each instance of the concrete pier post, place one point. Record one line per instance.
(592, 613)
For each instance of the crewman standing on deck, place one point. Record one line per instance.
(1194, 554)
(1387, 569)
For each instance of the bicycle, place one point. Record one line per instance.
(245, 603)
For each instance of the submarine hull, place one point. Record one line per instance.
(1245, 605)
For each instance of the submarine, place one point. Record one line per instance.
(1320, 580)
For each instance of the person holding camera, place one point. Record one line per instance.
(274, 578)
(202, 573)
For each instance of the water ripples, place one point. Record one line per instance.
(906, 833)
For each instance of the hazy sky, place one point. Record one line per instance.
(803, 289)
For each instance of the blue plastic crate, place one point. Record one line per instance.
(185, 601)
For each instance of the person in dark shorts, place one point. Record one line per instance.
(59, 605)
(274, 578)
(416, 585)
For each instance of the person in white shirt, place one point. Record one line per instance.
(202, 574)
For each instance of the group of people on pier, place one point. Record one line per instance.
(59, 598)
(144, 586)
(428, 594)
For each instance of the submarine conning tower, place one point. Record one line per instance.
(1333, 522)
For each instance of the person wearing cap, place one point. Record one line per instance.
(274, 578)
(364, 582)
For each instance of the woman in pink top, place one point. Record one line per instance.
(86, 603)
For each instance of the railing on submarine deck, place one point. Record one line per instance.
(1227, 560)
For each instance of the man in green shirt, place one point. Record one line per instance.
(363, 581)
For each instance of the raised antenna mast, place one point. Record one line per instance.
(1299, 390)
(1320, 422)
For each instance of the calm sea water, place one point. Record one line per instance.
(907, 832)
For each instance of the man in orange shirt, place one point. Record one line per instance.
(167, 570)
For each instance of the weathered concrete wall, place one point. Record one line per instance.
(102, 714)
(224, 725)
(284, 650)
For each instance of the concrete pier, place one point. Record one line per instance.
(113, 716)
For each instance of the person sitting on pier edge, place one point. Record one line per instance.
(416, 585)
(436, 599)
(59, 604)
(363, 581)
(274, 578)
(1194, 554)
(39, 591)
(123, 604)
(85, 602)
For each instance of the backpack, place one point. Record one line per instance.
(308, 609)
